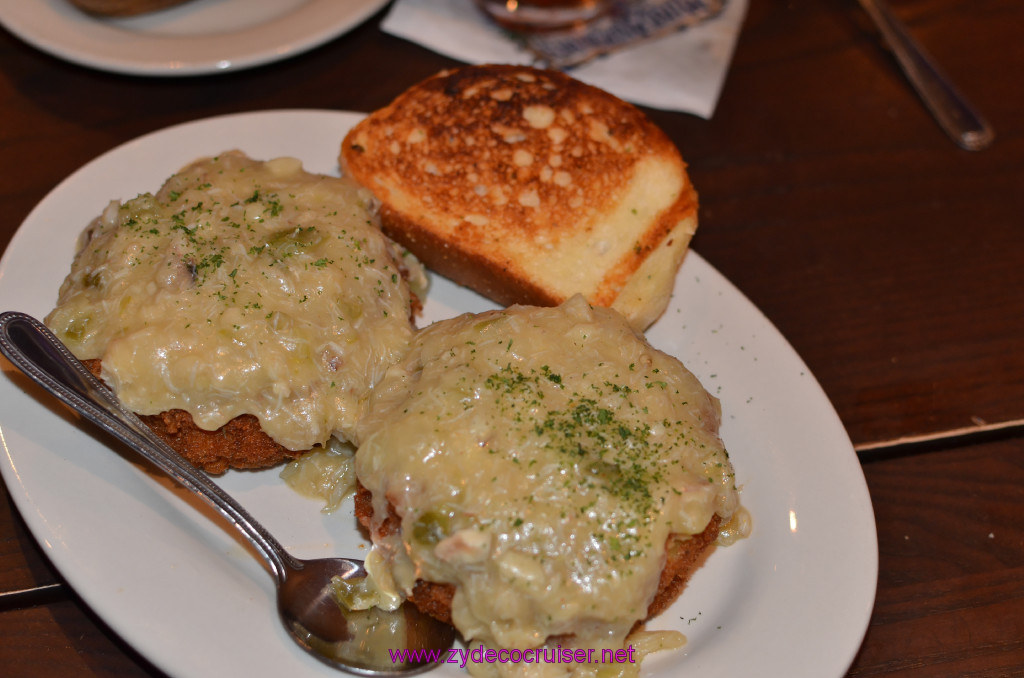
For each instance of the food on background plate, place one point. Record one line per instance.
(529, 186)
(244, 310)
(123, 7)
(542, 475)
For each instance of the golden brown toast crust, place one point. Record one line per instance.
(480, 168)
(479, 271)
(684, 554)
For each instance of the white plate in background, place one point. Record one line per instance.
(197, 37)
(791, 601)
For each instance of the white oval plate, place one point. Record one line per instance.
(198, 37)
(793, 600)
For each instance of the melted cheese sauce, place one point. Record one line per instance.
(241, 287)
(327, 473)
(538, 459)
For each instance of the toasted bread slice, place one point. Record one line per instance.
(529, 186)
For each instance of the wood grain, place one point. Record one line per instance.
(22, 565)
(65, 639)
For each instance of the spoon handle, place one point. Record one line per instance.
(952, 111)
(34, 350)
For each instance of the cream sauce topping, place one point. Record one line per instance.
(241, 287)
(538, 459)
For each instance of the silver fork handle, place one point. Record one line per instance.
(952, 111)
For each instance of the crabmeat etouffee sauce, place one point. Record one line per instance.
(538, 459)
(241, 287)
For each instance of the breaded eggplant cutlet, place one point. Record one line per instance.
(245, 309)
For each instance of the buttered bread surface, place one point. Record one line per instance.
(529, 186)
(240, 288)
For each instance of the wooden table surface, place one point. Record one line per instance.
(892, 260)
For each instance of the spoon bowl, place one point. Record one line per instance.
(357, 641)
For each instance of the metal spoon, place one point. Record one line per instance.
(949, 107)
(353, 641)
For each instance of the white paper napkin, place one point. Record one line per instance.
(683, 71)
